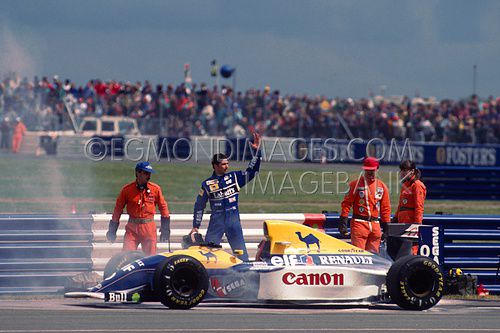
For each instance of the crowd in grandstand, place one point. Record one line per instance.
(184, 110)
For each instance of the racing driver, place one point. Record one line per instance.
(221, 189)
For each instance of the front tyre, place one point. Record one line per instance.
(415, 283)
(181, 282)
(121, 259)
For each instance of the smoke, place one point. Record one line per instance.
(15, 54)
(56, 181)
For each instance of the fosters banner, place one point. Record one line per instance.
(429, 154)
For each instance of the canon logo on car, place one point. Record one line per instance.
(313, 279)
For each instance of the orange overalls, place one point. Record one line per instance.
(371, 205)
(17, 136)
(141, 207)
(411, 204)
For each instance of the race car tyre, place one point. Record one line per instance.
(121, 259)
(415, 282)
(181, 282)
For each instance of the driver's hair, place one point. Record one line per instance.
(217, 158)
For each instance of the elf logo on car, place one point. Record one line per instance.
(313, 279)
(292, 260)
(433, 252)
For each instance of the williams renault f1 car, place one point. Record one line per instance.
(294, 263)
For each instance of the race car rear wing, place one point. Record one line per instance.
(428, 238)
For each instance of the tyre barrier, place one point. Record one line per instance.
(38, 253)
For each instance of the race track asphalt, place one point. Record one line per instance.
(84, 315)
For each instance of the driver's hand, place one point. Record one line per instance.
(385, 230)
(256, 140)
(343, 222)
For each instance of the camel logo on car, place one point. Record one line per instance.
(209, 255)
(309, 240)
(313, 279)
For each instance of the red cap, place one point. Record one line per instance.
(370, 163)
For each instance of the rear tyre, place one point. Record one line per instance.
(121, 259)
(181, 282)
(415, 283)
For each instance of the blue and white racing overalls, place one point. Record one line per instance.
(222, 192)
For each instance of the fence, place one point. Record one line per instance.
(462, 183)
(38, 252)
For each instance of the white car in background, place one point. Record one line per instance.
(108, 126)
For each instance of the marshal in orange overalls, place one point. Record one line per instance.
(411, 204)
(141, 207)
(371, 206)
(17, 136)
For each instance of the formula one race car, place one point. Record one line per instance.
(294, 263)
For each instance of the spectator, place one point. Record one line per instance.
(40, 103)
(5, 134)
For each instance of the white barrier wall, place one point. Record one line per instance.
(181, 225)
(202, 148)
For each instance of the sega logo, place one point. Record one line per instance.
(229, 288)
(433, 252)
(313, 279)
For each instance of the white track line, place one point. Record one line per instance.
(305, 329)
